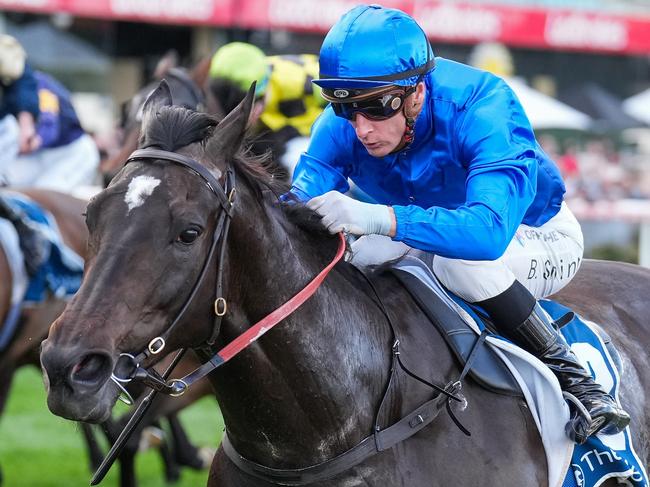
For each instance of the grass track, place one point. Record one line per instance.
(38, 449)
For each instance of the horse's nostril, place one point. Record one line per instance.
(91, 368)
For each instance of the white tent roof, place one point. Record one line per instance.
(638, 106)
(545, 112)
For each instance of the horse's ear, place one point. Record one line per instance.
(167, 62)
(160, 97)
(230, 132)
(200, 72)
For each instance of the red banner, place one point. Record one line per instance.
(446, 21)
(555, 29)
(301, 15)
(209, 12)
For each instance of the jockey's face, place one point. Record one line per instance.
(381, 137)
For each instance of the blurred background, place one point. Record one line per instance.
(581, 69)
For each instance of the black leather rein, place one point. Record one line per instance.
(128, 366)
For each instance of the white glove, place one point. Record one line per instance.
(343, 214)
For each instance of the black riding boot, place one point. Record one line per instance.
(596, 411)
(33, 243)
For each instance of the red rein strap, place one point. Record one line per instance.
(273, 318)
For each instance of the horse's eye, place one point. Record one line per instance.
(188, 236)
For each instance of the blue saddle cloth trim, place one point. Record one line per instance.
(61, 273)
(601, 457)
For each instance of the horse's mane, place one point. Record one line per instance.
(174, 127)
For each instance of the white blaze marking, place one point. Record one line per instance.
(139, 188)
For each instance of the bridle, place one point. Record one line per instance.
(129, 365)
(379, 440)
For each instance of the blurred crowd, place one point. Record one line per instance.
(597, 169)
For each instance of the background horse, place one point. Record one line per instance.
(35, 320)
(33, 328)
(309, 389)
(187, 87)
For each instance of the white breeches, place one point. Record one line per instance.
(544, 259)
(60, 168)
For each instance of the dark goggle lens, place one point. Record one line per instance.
(380, 108)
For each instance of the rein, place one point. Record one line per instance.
(380, 440)
(131, 368)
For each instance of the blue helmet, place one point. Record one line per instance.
(371, 46)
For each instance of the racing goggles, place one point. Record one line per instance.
(378, 105)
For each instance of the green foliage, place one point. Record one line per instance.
(38, 449)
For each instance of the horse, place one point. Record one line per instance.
(35, 321)
(165, 241)
(187, 87)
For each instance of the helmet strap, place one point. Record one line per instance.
(409, 130)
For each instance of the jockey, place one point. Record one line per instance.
(449, 156)
(233, 69)
(18, 111)
(18, 100)
(66, 157)
(287, 103)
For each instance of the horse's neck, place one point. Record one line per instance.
(309, 388)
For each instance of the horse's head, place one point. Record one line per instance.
(186, 85)
(151, 234)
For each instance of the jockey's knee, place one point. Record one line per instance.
(473, 280)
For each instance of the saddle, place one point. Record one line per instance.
(487, 369)
(437, 304)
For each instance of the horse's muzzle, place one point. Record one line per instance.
(74, 377)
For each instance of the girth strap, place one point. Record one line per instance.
(378, 442)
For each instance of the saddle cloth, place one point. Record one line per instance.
(569, 465)
(59, 275)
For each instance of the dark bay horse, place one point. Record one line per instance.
(309, 389)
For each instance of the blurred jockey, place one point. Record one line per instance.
(18, 101)
(287, 102)
(449, 156)
(18, 112)
(66, 157)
